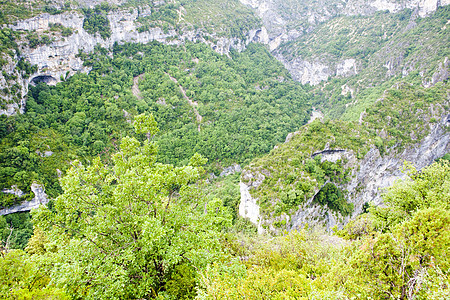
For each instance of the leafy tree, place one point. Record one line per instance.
(408, 257)
(332, 196)
(23, 278)
(427, 188)
(129, 230)
(146, 124)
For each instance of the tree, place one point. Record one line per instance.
(126, 230)
(427, 188)
(146, 124)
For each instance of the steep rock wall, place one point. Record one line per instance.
(371, 175)
(60, 58)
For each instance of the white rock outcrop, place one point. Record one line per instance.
(305, 71)
(40, 198)
(346, 68)
(371, 175)
(248, 208)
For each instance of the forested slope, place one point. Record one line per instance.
(247, 102)
(134, 115)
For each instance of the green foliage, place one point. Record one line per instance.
(284, 267)
(145, 124)
(23, 278)
(7, 41)
(402, 114)
(445, 157)
(96, 20)
(130, 229)
(295, 171)
(15, 230)
(35, 40)
(221, 18)
(427, 188)
(11, 11)
(246, 108)
(212, 19)
(227, 189)
(333, 198)
(361, 226)
(57, 27)
(413, 48)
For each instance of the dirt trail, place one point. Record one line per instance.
(135, 88)
(193, 104)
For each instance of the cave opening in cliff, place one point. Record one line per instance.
(48, 79)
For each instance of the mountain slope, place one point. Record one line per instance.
(329, 170)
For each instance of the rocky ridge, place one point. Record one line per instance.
(370, 176)
(60, 58)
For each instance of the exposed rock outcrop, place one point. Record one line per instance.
(371, 175)
(234, 168)
(248, 208)
(40, 198)
(12, 99)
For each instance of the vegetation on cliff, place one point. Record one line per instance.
(247, 104)
(130, 153)
(294, 172)
(382, 48)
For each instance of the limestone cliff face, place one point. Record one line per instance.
(370, 176)
(316, 71)
(40, 198)
(285, 22)
(59, 59)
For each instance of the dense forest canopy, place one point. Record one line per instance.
(247, 103)
(148, 153)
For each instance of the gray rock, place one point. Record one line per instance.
(235, 168)
(371, 176)
(40, 198)
(14, 190)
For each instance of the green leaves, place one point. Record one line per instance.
(145, 124)
(124, 230)
(427, 188)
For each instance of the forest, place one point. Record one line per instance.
(135, 157)
(136, 228)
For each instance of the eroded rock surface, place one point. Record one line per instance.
(40, 198)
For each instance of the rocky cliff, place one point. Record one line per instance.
(60, 59)
(369, 176)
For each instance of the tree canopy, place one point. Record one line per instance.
(129, 229)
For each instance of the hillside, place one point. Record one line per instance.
(232, 149)
(330, 170)
(246, 104)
